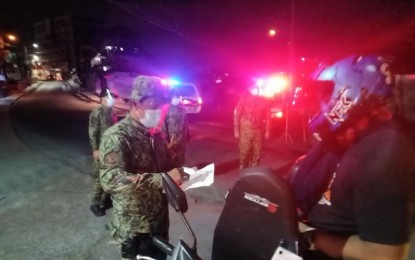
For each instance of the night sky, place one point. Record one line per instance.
(238, 28)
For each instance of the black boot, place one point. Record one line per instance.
(107, 202)
(97, 210)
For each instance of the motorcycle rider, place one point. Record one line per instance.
(356, 185)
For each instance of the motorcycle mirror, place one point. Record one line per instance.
(175, 195)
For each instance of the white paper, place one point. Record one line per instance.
(199, 178)
(284, 254)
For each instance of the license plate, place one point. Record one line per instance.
(190, 109)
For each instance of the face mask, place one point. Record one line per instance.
(175, 101)
(151, 118)
(110, 102)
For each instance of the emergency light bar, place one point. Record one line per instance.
(170, 82)
(271, 86)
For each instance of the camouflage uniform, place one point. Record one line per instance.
(251, 122)
(129, 150)
(100, 119)
(178, 131)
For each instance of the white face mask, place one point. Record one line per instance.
(175, 101)
(110, 102)
(151, 118)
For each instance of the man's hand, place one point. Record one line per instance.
(175, 175)
(307, 236)
(302, 227)
(95, 155)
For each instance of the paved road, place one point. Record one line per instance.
(45, 183)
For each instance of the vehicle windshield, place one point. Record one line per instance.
(185, 90)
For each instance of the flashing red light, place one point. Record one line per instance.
(272, 32)
(277, 114)
(255, 91)
(260, 82)
(271, 86)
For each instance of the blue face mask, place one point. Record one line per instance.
(151, 118)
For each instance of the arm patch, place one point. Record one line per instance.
(112, 159)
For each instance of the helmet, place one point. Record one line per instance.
(361, 83)
(147, 86)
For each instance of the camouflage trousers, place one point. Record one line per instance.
(99, 197)
(250, 146)
(132, 232)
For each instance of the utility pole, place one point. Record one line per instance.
(286, 136)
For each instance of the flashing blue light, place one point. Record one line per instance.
(170, 82)
(173, 82)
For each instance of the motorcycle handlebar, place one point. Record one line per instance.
(163, 245)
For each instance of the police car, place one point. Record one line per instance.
(190, 98)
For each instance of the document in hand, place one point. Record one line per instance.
(284, 254)
(199, 178)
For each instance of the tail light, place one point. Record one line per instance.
(278, 114)
(199, 100)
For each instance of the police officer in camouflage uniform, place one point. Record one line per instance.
(134, 153)
(178, 130)
(251, 125)
(100, 119)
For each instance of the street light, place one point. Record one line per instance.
(35, 45)
(11, 37)
(272, 32)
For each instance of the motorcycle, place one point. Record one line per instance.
(259, 219)
(264, 205)
(177, 199)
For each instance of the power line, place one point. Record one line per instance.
(148, 18)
